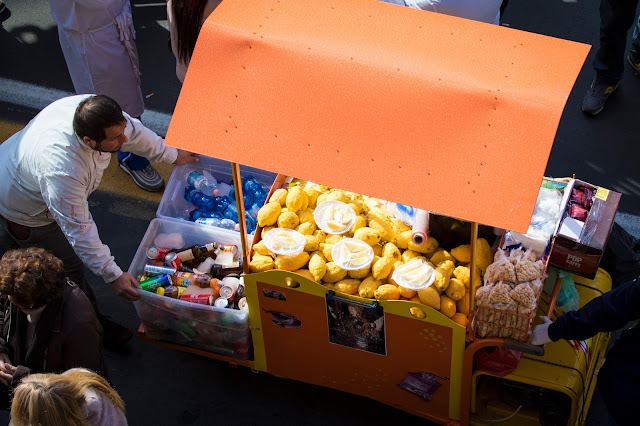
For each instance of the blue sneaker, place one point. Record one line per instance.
(597, 95)
(148, 178)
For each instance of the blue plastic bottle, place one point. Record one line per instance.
(200, 182)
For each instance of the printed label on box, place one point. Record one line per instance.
(602, 193)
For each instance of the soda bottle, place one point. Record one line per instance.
(221, 271)
(201, 183)
(196, 251)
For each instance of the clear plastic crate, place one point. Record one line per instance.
(173, 203)
(220, 330)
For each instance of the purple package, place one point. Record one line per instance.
(422, 384)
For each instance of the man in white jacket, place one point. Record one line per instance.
(49, 168)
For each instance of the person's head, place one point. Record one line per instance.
(188, 17)
(99, 123)
(31, 278)
(58, 399)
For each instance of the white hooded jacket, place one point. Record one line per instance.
(47, 173)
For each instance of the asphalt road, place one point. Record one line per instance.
(165, 387)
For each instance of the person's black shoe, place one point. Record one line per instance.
(4, 12)
(597, 96)
(116, 336)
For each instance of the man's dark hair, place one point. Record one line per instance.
(94, 115)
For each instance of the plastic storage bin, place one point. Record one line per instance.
(173, 203)
(224, 331)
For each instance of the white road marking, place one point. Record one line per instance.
(37, 97)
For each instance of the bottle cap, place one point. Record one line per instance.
(160, 291)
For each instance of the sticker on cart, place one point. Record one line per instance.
(356, 325)
(274, 294)
(284, 320)
(334, 217)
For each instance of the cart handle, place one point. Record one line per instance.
(524, 347)
(554, 297)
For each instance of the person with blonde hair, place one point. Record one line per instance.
(75, 397)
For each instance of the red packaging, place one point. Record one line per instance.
(499, 361)
(200, 299)
(578, 196)
(173, 260)
(589, 194)
(578, 212)
(157, 253)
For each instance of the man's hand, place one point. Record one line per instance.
(125, 286)
(185, 157)
(540, 335)
(6, 369)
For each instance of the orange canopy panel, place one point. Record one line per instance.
(450, 115)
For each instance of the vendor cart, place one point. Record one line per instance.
(449, 115)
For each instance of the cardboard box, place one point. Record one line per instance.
(582, 254)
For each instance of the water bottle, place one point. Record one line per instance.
(200, 214)
(209, 221)
(253, 211)
(231, 212)
(253, 187)
(225, 189)
(201, 183)
(232, 193)
(220, 204)
(251, 223)
(199, 200)
(228, 224)
(185, 213)
(187, 192)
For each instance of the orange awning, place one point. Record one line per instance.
(450, 115)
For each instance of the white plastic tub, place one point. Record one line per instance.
(224, 331)
(173, 203)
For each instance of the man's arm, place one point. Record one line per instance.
(608, 312)
(66, 199)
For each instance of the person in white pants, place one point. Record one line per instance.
(97, 39)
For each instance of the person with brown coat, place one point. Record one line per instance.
(47, 323)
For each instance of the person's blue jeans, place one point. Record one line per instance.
(616, 18)
(133, 161)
